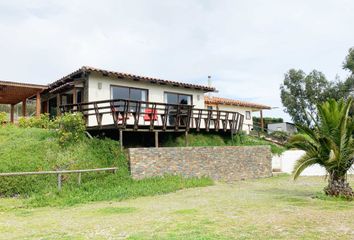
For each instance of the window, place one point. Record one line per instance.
(248, 115)
(176, 98)
(210, 107)
(129, 93)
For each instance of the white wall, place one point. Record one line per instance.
(247, 123)
(286, 162)
(155, 92)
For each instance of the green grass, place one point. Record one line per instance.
(270, 208)
(211, 139)
(33, 149)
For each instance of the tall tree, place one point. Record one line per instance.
(300, 93)
(349, 61)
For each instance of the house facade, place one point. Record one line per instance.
(112, 100)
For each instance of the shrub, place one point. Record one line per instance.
(3, 117)
(37, 122)
(239, 138)
(71, 128)
(280, 136)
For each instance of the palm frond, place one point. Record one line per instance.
(304, 162)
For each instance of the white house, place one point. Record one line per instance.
(111, 100)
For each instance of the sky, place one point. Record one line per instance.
(246, 46)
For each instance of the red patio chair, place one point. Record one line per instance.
(150, 115)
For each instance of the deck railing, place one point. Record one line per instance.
(152, 116)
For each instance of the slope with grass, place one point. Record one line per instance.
(210, 139)
(34, 149)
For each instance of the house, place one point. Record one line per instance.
(243, 107)
(112, 101)
(287, 127)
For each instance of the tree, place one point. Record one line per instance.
(349, 61)
(330, 144)
(300, 93)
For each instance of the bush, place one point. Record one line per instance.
(280, 136)
(211, 139)
(72, 128)
(3, 117)
(37, 122)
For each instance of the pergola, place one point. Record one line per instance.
(13, 93)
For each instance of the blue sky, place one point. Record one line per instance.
(246, 46)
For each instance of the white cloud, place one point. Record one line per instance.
(246, 46)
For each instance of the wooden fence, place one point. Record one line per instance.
(59, 173)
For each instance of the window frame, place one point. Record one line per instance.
(248, 115)
(177, 93)
(121, 86)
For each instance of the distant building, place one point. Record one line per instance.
(287, 127)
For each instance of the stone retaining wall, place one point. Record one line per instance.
(220, 163)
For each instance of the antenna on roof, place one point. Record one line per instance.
(209, 85)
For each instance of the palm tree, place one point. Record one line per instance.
(330, 144)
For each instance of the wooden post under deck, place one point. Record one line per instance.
(262, 123)
(186, 138)
(156, 139)
(12, 113)
(24, 108)
(121, 139)
(38, 104)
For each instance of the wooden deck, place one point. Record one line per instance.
(130, 115)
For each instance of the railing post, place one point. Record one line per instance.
(59, 182)
(79, 179)
(156, 139)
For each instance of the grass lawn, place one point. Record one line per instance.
(273, 208)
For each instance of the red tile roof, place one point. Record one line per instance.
(232, 102)
(86, 69)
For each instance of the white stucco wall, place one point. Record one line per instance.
(247, 123)
(286, 161)
(155, 92)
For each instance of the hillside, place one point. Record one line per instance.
(34, 149)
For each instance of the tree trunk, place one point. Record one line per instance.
(338, 186)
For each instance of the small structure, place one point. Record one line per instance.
(287, 127)
(245, 108)
(13, 93)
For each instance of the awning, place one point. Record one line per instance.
(15, 92)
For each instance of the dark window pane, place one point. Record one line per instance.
(79, 97)
(69, 99)
(171, 98)
(138, 94)
(120, 93)
(184, 99)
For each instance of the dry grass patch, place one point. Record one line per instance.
(272, 208)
